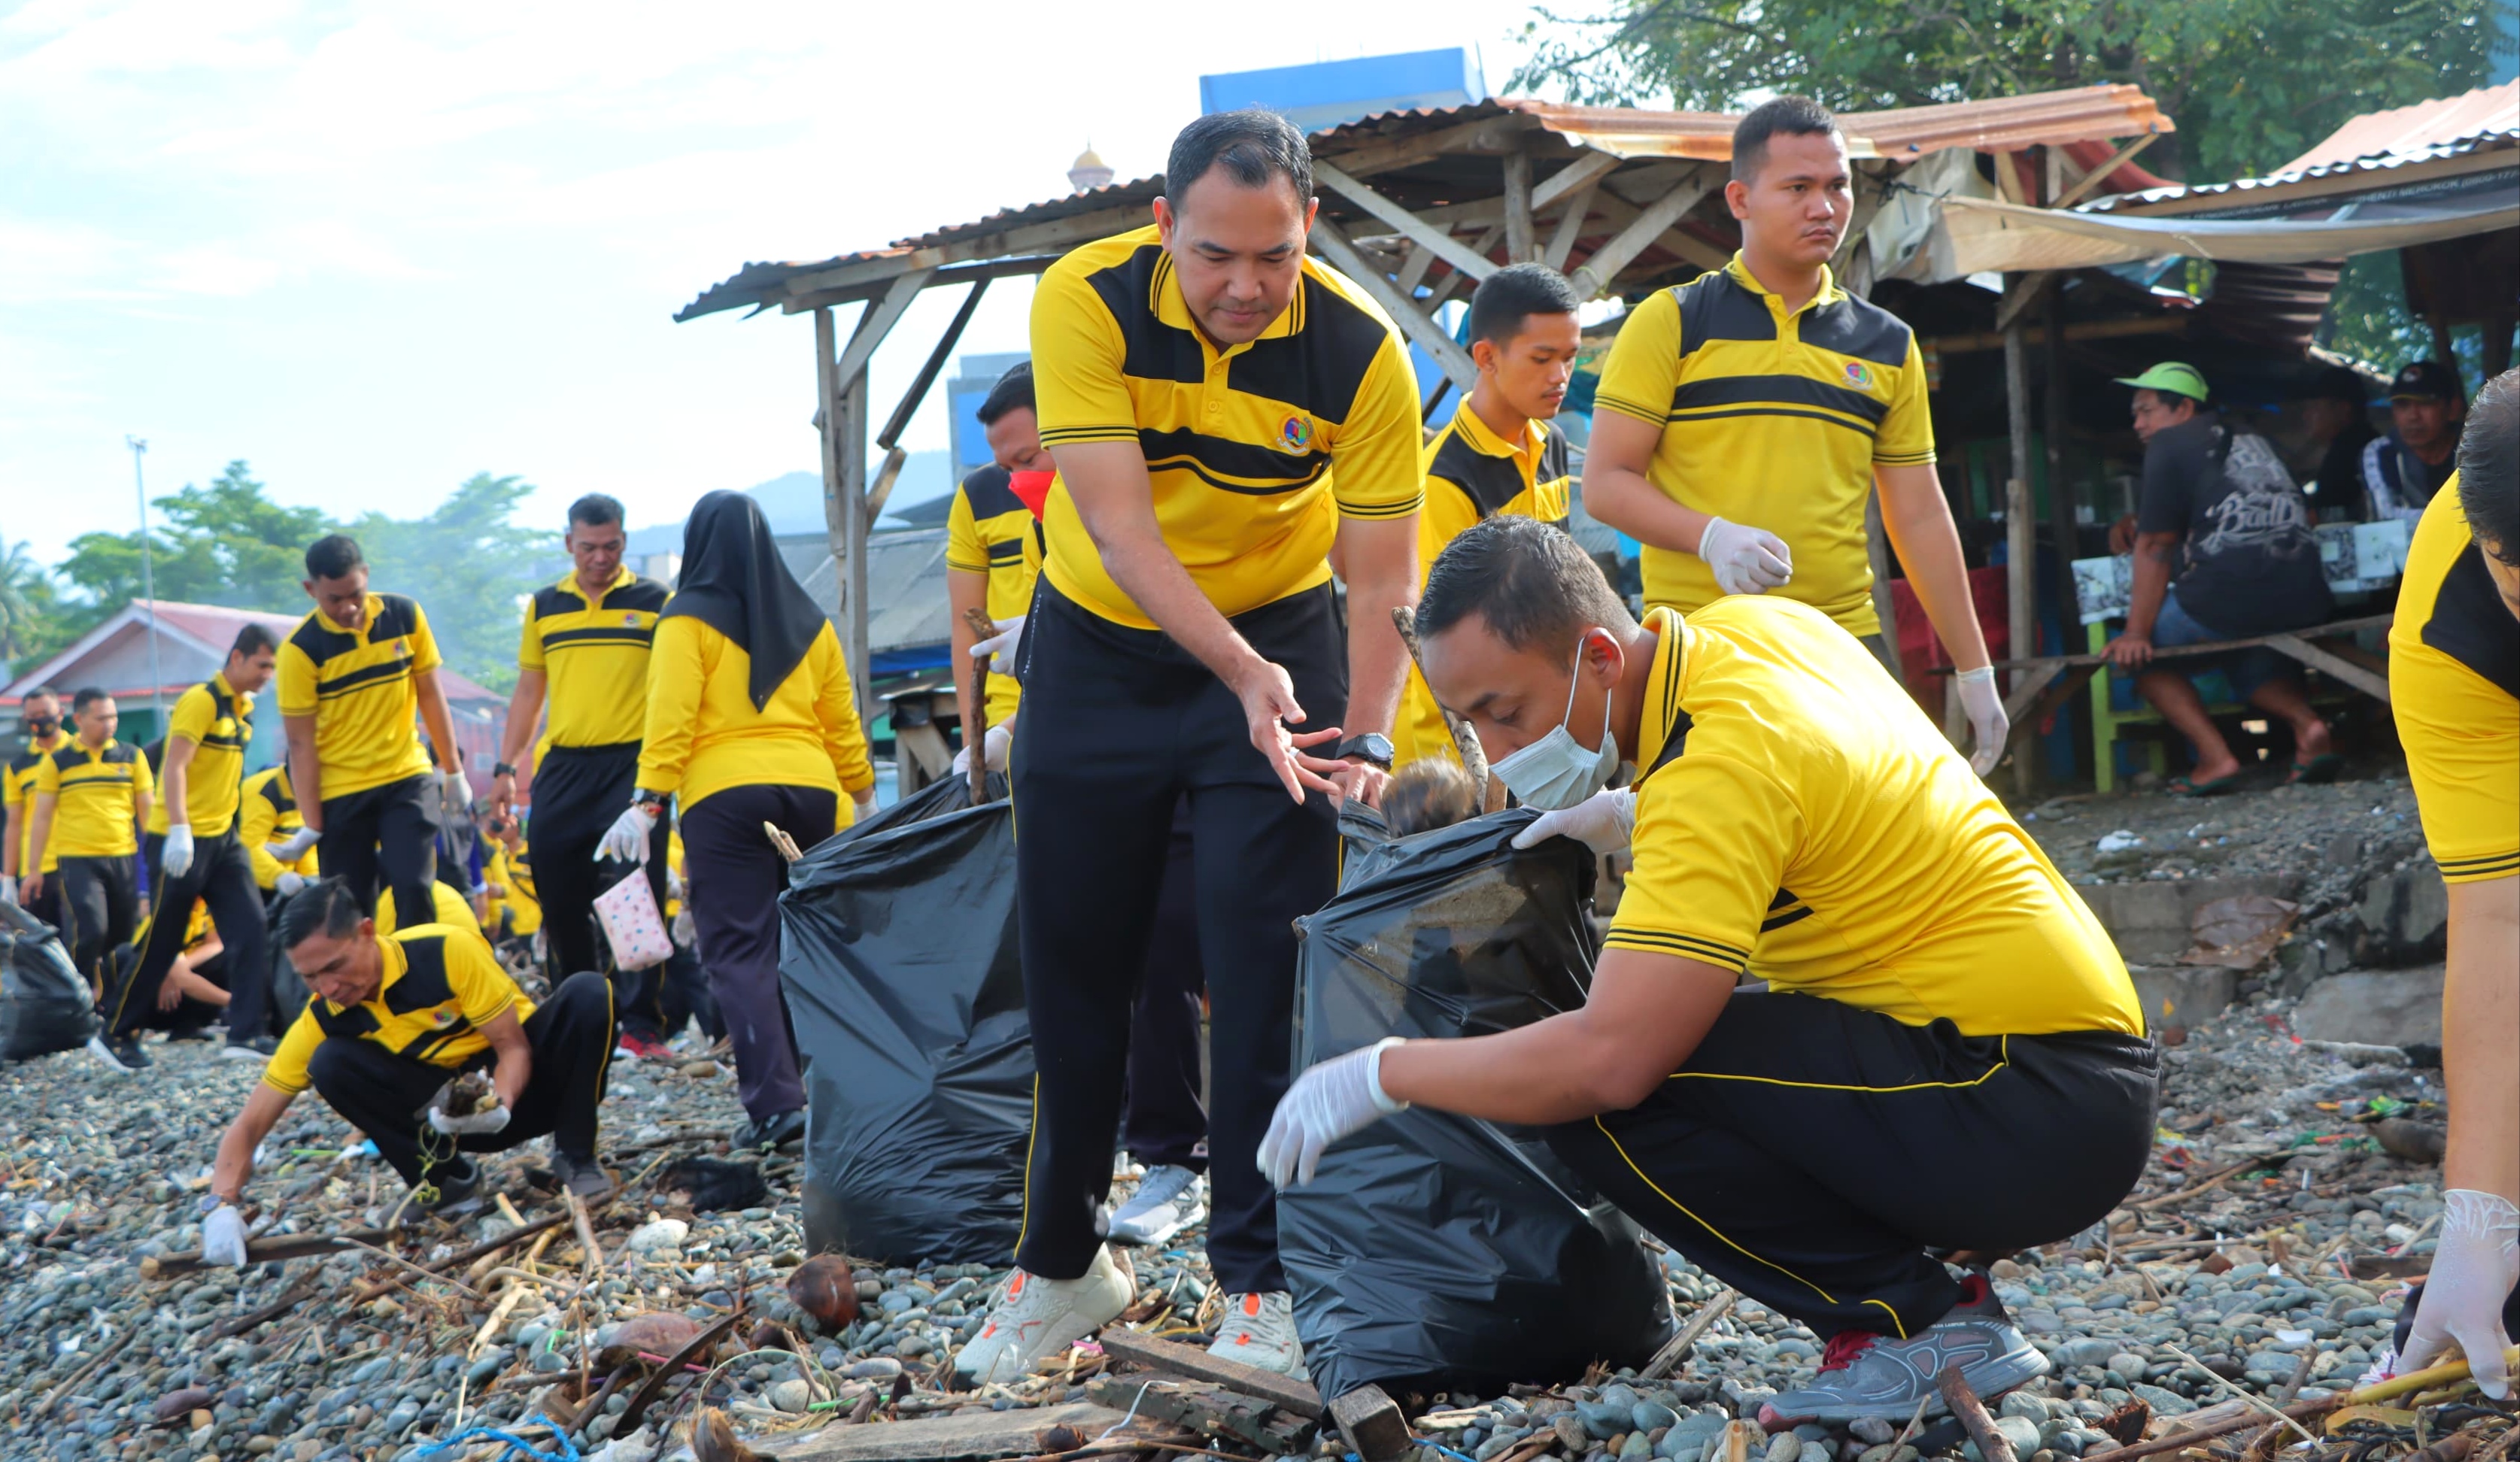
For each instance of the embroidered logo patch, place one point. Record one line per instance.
(1297, 433)
(630, 618)
(443, 1016)
(1858, 375)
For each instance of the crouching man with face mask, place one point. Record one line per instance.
(1950, 1057)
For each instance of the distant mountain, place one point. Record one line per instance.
(793, 503)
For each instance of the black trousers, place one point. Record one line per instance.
(100, 909)
(222, 876)
(1164, 1121)
(683, 995)
(579, 791)
(382, 1093)
(385, 839)
(736, 878)
(1120, 726)
(187, 1014)
(1809, 1153)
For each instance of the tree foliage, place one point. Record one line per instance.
(2250, 83)
(469, 565)
(225, 543)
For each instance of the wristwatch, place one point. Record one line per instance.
(503, 770)
(1373, 747)
(212, 1203)
(652, 802)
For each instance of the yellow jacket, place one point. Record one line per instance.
(703, 736)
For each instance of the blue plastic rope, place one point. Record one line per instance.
(517, 1446)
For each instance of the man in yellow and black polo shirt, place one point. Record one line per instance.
(2455, 686)
(353, 676)
(1941, 1001)
(196, 854)
(1744, 418)
(276, 839)
(39, 713)
(584, 652)
(91, 797)
(1198, 382)
(1497, 455)
(393, 1019)
(993, 549)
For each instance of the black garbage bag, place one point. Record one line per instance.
(1434, 1252)
(44, 1005)
(898, 953)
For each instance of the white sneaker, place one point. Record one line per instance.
(1036, 1317)
(1168, 1201)
(1259, 1329)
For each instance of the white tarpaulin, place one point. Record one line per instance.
(1988, 235)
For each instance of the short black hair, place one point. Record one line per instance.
(88, 695)
(1013, 389)
(332, 556)
(40, 692)
(1516, 293)
(1793, 117)
(1252, 146)
(2489, 468)
(596, 510)
(253, 639)
(329, 907)
(1532, 583)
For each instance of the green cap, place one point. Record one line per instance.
(2178, 377)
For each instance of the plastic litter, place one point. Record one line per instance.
(900, 962)
(44, 1005)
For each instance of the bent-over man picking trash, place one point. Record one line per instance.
(1951, 1056)
(395, 1022)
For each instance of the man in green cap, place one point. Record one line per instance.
(2221, 515)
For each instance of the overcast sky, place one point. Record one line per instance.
(373, 247)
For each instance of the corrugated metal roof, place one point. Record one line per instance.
(2081, 115)
(2504, 139)
(2415, 128)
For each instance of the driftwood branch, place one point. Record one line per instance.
(975, 711)
(1972, 1416)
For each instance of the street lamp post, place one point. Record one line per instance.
(148, 584)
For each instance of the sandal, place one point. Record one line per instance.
(2181, 786)
(2325, 766)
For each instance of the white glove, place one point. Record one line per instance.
(458, 794)
(223, 1237)
(1000, 648)
(288, 882)
(1746, 559)
(1986, 722)
(1605, 823)
(626, 840)
(2474, 1267)
(993, 750)
(1341, 1097)
(293, 846)
(8, 888)
(480, 1124)
(685, 931)
(175, 854)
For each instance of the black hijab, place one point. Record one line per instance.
(734, 582)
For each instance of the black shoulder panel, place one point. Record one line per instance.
(1857, 328)
(1490, 481)
(986, 490)
(2470, 625)
(1155, 351)
(1715, 307)
(1320, 366)
(423, 981)
(396, 616)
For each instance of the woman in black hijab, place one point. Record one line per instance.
(750, 719)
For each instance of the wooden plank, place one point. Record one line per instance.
(1370, 1424)
(1175, 1358)
(2026, 687)
(899, 420)
(1211, 1410)
(971, 1434)
(1412, 270)
(1487, 135)
(1406, 313)
(885, 476)
(861, 272)
(1876, 552)
(876, 325)
(2096, 176)
(1586, 171)
(1414, 229)
(1604, 265)
(2020, 292)
(2376, 686)
(1614, 211)
(2213, 647)
(1570, 226)
(950, 274)
(1521, 234)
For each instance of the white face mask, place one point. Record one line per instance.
(1557, 772)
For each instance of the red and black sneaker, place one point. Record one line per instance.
(1864, 1373)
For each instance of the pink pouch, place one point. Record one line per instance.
(631, 922)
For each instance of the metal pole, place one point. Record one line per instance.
(147, 584)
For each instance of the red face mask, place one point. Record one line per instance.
(1032, 489)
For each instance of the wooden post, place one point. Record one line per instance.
(2021, 569)
(1521, 235)
(827, 410)
(2061, 519)
(1876, 548)
(851, 420)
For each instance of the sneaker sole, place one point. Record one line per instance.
(242, 1054)
(1155, 1238)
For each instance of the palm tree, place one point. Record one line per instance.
(23, 582)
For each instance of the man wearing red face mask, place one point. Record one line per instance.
(993, 553)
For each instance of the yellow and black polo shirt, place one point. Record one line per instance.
(2455, 687)
(357, 684)
(595, 655)
(1474, 474)
(442, 986)
(268, 814)
(1238, 441)
(1817, 832)
(18, 797)
(218, 719)
(990, 531)
(1774, 420)
(94, 793)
